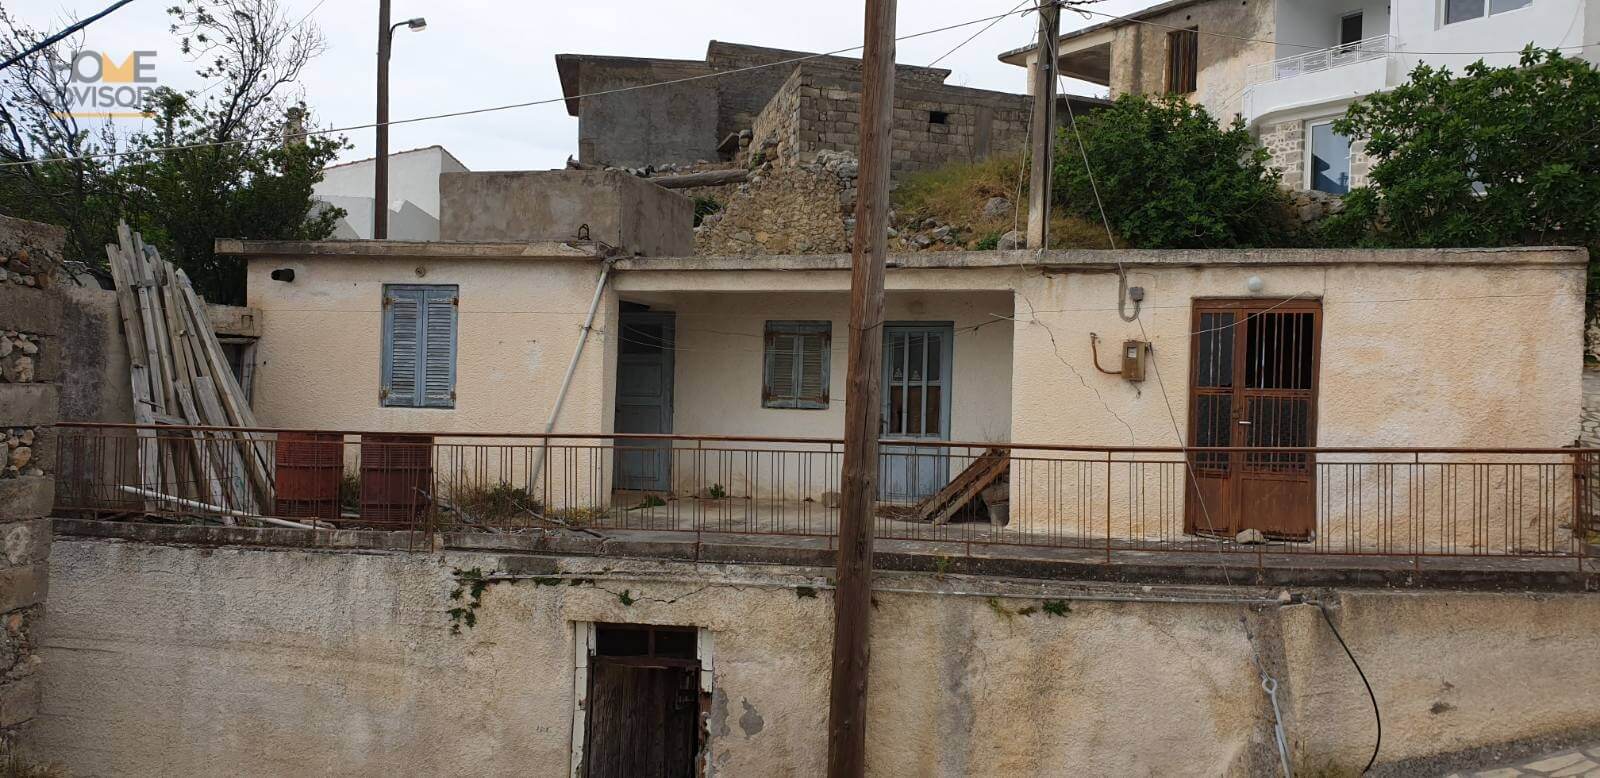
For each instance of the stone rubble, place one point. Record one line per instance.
(19, 457)
(18, 355)
(27, 268)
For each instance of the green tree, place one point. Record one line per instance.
(243, 168)
(1496, 157)
(1170, 177)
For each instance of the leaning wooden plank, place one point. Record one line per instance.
(150, 274)
(232, 468)
(259, 466)
(132, 267)
(997, 467)
(138, 374)
(934, 504)
(160, 368)
(210, 486)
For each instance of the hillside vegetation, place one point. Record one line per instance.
(976, 201)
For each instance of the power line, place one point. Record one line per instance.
(974, 36)
(54, 39)
(506, 107)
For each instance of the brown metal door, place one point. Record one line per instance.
(1253, 382)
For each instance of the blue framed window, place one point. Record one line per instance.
(419, 346)
(797, 357)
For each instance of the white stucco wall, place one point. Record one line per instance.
(413, 193)
(1419, 26)
(182, 660)
(1418, 34)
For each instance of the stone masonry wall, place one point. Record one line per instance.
(774, 135)
(30, 319)
(819, 110)
(1286, 143)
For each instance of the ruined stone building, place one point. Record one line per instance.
(793, 111)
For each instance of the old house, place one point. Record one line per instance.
(1289, 67)
(801, 108)
(506, 331)
(645, 590)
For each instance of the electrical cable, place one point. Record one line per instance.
(54, 39)
(1376, 716)
(1155, 364)
(275, 138)
(974, 36)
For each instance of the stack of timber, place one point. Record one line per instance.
(988, 469)
(181, 378)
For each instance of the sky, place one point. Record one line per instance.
(478, 53)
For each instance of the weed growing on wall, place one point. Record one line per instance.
(470, 586)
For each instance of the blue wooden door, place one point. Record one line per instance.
(644, 400)
(916, 406)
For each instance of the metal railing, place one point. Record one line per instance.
(1321, 59)
(1313, 501)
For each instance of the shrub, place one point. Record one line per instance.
(1497, 157)
(1170, 177)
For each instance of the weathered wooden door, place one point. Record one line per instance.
(916, 406)
(1253, 382)
(642, 717)
(644, 400)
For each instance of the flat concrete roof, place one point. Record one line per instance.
(435, 249)
(1079, 259)
(1014, 56)
(1099, 259)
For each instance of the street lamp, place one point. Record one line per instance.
(380, 175)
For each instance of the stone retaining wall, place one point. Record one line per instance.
(30, 321)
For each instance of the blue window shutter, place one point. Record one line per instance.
(439, 348)
(797, 364)
(402, 343)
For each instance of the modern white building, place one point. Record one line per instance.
(1290, 67)
(413, 193)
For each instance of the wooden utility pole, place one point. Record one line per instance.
(1044, 125)
(380, 159)
(858, 489)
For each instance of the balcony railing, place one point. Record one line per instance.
(1413, 502)
(1322, 59)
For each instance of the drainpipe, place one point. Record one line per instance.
(572, 368)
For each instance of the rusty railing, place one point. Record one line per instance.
(1416, 502)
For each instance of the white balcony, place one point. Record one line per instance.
(1336, 73)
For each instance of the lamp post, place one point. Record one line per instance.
(380, 175)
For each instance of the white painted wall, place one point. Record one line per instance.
(1316, 23)
(1418, 34)
(413, 193)
(1419, 26)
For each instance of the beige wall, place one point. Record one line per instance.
(720, 365)
(319, 359)
(1468, 348)
(1139, 52)
(231, 661)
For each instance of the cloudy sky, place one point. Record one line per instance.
(479, 52)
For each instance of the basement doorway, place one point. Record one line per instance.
(645, 696)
